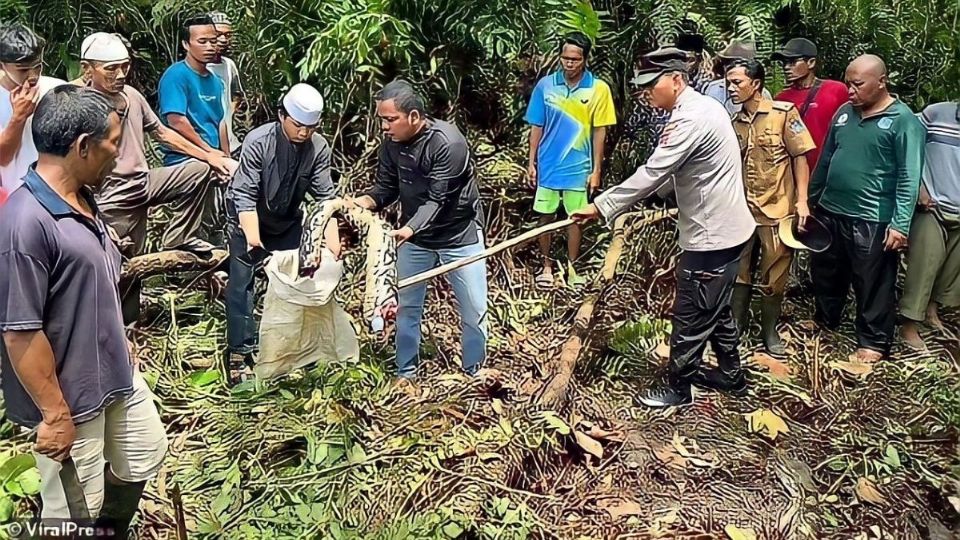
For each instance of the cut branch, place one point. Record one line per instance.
(554, 393)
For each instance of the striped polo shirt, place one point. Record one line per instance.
(941, 168)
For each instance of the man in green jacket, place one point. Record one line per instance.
(865, 190)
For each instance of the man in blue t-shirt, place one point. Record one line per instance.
(568, 113)
(191, 96)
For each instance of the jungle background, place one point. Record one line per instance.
(820, 449)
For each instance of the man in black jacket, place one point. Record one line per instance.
(425, 164)
(281, 162)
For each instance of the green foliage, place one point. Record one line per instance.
(478, 59)
(19, 480)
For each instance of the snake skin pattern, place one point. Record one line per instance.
(380, 295)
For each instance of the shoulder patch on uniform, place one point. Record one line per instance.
(796, 126)
(885, 123)
(784, 106)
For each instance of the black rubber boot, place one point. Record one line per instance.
(120, 503)
(770, 309)
(741, 307)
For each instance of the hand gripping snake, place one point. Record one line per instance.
(380, 295)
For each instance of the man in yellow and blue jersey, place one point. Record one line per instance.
(569, 112)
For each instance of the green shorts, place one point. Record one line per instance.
(547, 200)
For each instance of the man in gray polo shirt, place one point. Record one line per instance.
(933, 256)
(699, 154)
(67, 371)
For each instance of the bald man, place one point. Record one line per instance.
(865, 189)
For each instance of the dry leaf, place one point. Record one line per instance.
(678, 444)
(808, 325)
(662, 350)
(802, 473)
(736, 533)
(670, 517)
(607, 481)
(618, 508)
(778, 369)
(599, 433)
(955, 502)
(867, 492)
(497, 405)
(766, 423)
(857, 369)
(659, 527)
(668, 455)
(937, 530)
(707, 459)
(589, 444)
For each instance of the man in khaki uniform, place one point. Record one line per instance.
(773, 141)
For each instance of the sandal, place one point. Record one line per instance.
(238, 368)
(573, 278)
(544, 280)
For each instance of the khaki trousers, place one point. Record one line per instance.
(933, 266)
(767, 256)
(128, 435)
(185, 187)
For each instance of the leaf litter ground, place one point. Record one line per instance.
(819, 449)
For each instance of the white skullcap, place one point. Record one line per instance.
(219, 17)
(304, 104)
(104, 47)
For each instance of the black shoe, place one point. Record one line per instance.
(667, 396)
(714, 379)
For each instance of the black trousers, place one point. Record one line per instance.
(240, 299)
(856, 257)
(702, 313)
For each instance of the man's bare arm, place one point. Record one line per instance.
(224, 139)
(181, 125)
(31, 357)
(179, 143)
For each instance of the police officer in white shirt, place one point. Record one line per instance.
(699, 153)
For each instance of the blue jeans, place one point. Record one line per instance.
(470, 288)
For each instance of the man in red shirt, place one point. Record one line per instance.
(816, 99)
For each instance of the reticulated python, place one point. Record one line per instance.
(380, 295)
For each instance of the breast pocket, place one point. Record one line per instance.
(772, 149)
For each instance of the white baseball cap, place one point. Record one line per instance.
(104, 47)
(304, 104)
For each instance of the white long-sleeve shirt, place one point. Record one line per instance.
(699, 153)
(11, 174)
